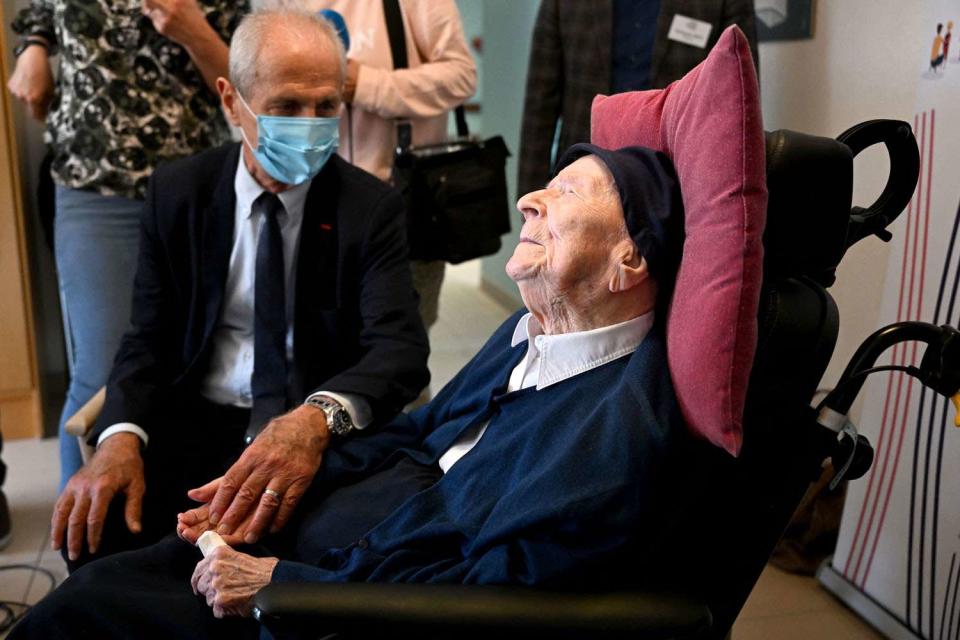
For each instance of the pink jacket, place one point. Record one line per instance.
(441, 75)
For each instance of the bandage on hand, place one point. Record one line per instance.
(208, 541)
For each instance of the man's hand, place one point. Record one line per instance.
(193, 523)
(32, 81)
(284, 458)
(179, 20)
(350, 82)
(229, 579)
(115, 468)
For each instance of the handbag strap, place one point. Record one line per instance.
(398, 51)
(395, 31)
(463, 130)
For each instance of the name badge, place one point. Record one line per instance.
(690, 31)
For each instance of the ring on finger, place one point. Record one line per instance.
(271, 492)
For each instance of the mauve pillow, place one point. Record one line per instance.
(709, 123)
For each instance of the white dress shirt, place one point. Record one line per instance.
(227, 380)
(554, 358)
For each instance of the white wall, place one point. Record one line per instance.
(507, 30)
(860, 65)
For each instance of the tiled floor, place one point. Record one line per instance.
(31, 490)
(781, 606)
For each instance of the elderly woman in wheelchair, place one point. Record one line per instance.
(533, 466)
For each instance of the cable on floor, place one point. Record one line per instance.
(11, 611)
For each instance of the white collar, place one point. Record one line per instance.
(248, 190)
(565, 355)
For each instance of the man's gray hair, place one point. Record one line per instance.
(247, 42)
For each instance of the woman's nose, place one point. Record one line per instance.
(531, 205)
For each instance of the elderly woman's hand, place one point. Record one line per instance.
(229, 579)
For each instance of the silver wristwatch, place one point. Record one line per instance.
(339, 421)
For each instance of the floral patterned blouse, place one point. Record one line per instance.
(127, 98)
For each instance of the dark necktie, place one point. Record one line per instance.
(268, 384)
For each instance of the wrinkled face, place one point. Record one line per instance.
(570, 230)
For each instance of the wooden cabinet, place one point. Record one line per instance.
(20, 415)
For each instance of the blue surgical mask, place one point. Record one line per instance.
(293, 149)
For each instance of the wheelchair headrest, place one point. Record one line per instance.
(810, 222)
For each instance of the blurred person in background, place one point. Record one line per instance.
(581, 49)
(135, 87)
(441, 76)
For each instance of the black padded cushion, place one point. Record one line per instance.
(810, 180)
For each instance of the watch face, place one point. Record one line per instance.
(341, 423)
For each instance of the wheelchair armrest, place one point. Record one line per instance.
(509, 612)
(80, 423)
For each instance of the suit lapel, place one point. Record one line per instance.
(317, 286)
(217, 222)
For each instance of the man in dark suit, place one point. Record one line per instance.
(272, 276)
(581, 49)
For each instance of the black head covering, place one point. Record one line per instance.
(652, 206)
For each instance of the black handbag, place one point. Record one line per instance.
(455, 191)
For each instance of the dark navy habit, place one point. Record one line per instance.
(564, 479)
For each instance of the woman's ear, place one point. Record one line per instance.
(631, 270)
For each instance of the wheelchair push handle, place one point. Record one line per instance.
(898, 138)
(939, 369)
